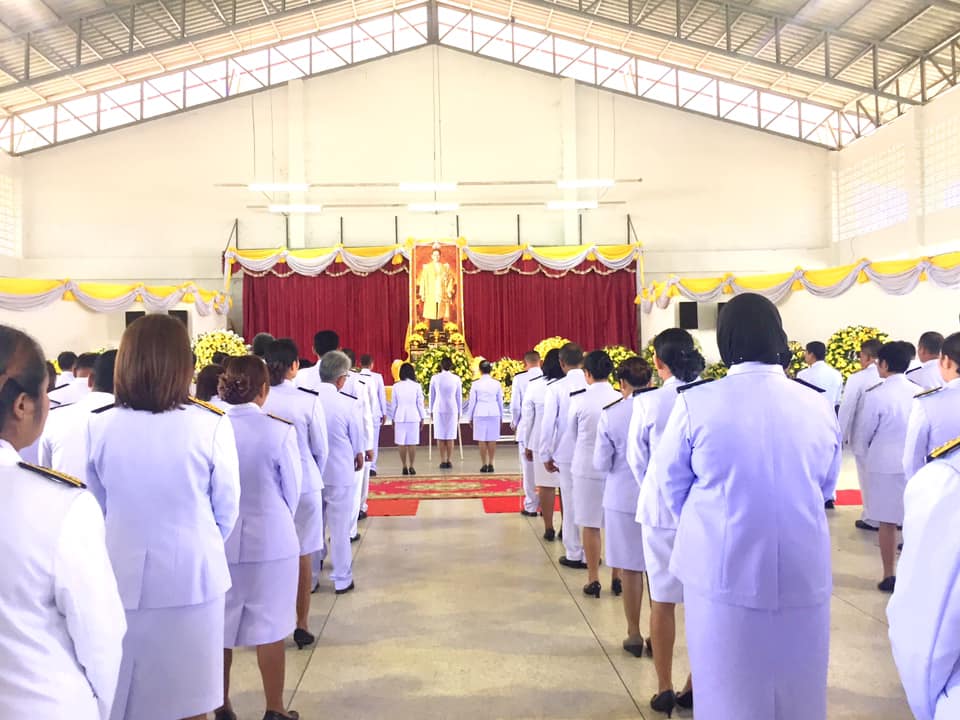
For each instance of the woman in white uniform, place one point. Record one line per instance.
(879, 437)
(263, 550)
(164, 469)
(586, 405)
(208, 381)
(302, 407)
(407, 412)
(446, 406)
(485, 410)
(623, 537)
(61, 621)
(753, 547)
(678, 363)
(531, 420)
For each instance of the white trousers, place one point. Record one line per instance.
(862, 481)
(571, 531)
(377, 425)
(531, 502)
(340, 500)
(359, 498)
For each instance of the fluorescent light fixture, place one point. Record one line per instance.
(296, 209)
(433, 207)
(585, 184)
(572, 205)
(428, 187)
(278, 187)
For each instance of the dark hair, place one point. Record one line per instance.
(531, 356)
(446, 363)
(817, 349)
(485, 367)
(306, 363)
(260, 343)
(551, 365)
(325, 341)
(280, 355)
(598, 364)
(931, 342)
(951, 348)
(407, 372)
(571, 355)
(66, 360)
(154, 364)
(366, 361)
(750, 330)
(218, 358)
(86, 361)
(208, 381)
(911, 347)
(243, 379)
(352, 355)
(104, 370)
(22, 370)
(676, 350)
(51, 376)
(636, 371)
(896, 356)
(871, 347)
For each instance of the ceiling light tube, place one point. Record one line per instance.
(572, 205)
(585, 184)
(278, 187)
(296, 209)
(428, 187)
(433, 207)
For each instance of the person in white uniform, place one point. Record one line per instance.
(61, 620)
(164, 469)
(80, 385)
(379, 408)
(407, 412)
(31, 453)
(927, 375)
(623, 537)
(357, 387)
(850, 405)
(753, 547)
(879, 437)
(263, 549)
(346, 439)
(820, 374)
(935, 415)
(678, 363)
(924, 612)
(531, 422)
(301, 407)
(446, 407)
(556, 449)
(531, 360)
(63, 445)
(66, 361)
(586, 407)
(485, 411)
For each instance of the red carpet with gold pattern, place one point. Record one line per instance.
(441, 487)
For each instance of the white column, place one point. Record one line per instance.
(568, 160)
(296, 152)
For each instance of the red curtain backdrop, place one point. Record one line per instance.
(369, 312)
(506, 315)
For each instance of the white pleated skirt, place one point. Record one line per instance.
(657, 549)
(172, 663)
(309, 522)
(624, 541)
(758, 664)
(883, 497)
(588, 502)
(486, 429)
(445, 426)
(261, 604)
(406, 433)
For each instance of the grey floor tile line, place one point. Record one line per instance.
(882, 621)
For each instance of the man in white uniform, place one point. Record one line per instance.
(67, 361)
(935, 415)
(379, 409)
(80, 385)
(520, 382)
(927, 376)
(822, 375)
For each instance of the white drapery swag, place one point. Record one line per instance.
(139, 293)
(899, 283)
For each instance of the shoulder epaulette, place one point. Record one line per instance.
(308, 390)
(352, 397)
(809, 385)
(103, 409)
(607, 407)
(944, 449)
(283, 420)
(913, 370)
(53, 475)
(874, 387)
(578, 392)
(538, 377)
(361, 382)
(690, 386)
(928, 393)
(60, 387)
(641, 391)
(207, 406)
(553, 381)
(58, 405)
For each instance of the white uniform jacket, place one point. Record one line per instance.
(850, 403)
(63, 444)
(446, 394)
(169, 485)
(302, 407)
(355, 387)
(521, 381)
(406, 402)
(71, 392)
(586, 406)
(934, 420)
(379, 392)
(826, 378)
(486, 399)
(61, 621)
(531, 416)
(270, 479)
(927, 376)
(555, 439)
(748, 492)
(880, 432)
(610, 457)
(344, 434)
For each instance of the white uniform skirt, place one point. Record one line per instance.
(883, 497)
(542, 478)
(657, 549)
(486, 429)
(588, 501)
(624, 540)
(445, 426)
(172, 662)
(747, 663)
(261, 604)
(309, 522)
(406, 433)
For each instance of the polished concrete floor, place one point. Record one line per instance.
(458, 614)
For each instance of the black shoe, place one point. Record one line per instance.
(861, 525)
(648, 648)
(362, 515)
(412, 471)
(828, 505)
(527, 513)
(685, 700)
(344, 591)
(490, 469)
(633, 647)
(887, 584)
(485, 469)
(316, 588)
(592, 589)
(616, 587)
(405, 472)
(665, 702)
(900, 547)
(373, 473)
(576, 564)
(355, 538)
(560, 534)
(550, 535)
(274, 715)
(224, 714)
(303, 638)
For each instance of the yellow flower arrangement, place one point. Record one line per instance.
(428, 365)
(548, 344)
(618, 353)
(504, 370)
(797, 363)
(714, 371)
(451, 327)
(457, 338)
(421, 327)
(843, 347)
(226, 341)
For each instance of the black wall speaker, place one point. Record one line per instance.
(131, 316)
(687, 316)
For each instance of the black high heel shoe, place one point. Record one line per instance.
(592, 589)
(303, 638)
(616, 587)
(665, 702)
(685, 700)
(274, 715)
(224, 714)
(406, 471)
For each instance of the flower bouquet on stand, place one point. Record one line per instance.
(618, 353)
(427, 364)
(843, 347)
(550, 343)
(504, 370)
(225, 341)
(797, 362)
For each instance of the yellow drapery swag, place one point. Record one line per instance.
(30, 294)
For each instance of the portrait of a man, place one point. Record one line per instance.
(436, 284)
